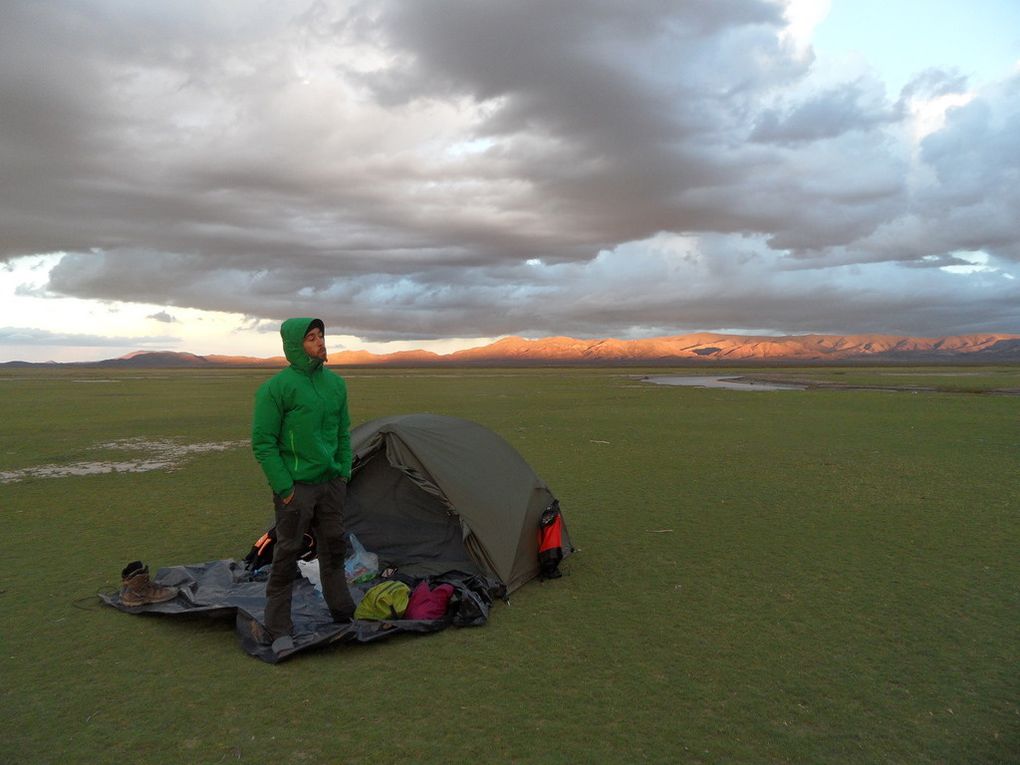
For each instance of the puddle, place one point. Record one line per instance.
(164, 455)
(724, 383)
(930, 374)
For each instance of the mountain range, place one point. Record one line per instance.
(692, 349)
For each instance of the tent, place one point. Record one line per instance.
(431, 496)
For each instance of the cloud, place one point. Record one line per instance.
(162, 316)
(829, 114)
(476, 168)
(24, 336)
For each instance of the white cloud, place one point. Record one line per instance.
(26, 337)
(803, 16)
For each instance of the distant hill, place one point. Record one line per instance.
(162, 359)
(693, 349)
(746, 348)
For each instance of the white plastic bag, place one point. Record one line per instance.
(361, 565)
(310, 571)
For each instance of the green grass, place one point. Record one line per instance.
(824, 576)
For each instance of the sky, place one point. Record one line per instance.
(441, 173)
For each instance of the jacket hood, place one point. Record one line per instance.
(293, 332)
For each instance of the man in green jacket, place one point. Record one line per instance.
(301, 438)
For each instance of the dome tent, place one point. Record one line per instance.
(430, 493)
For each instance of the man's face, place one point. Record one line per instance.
(315, 344)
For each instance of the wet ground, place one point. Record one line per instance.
(727, 383)
(160, 455)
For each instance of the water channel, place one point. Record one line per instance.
(725, 383)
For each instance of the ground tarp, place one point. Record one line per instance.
(224, 588)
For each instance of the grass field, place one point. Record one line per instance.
(818, 576)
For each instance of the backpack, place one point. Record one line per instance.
(385, 601)
(428, 605)
(261, 553)
(550, 542)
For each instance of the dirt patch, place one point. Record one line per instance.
(162, 455)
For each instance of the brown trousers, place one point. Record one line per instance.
(319, 507)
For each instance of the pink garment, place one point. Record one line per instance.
(428, 605)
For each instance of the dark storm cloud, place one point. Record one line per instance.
(454, 167)
(608, 113)
(824, 115)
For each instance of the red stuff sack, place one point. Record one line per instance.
(550, 542)
(428, 605)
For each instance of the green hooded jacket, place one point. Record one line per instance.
(301, 426)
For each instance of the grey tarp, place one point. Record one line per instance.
(223, 588)
(431, 496)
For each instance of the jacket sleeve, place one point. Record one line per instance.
(267, 423)
(343, 436)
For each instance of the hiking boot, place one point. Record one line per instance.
(263, 637)
(342, 617)
(138, 590)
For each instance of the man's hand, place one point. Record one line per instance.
(286, 500)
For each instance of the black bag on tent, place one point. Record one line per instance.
(550, 542)
(261, 553)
